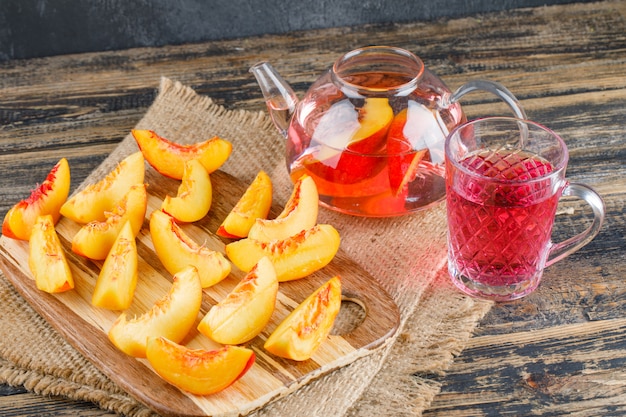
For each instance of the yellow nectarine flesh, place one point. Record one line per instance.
(255, 203)
(246, 310)
(117, 280)
(176, 250)
(95, 239)
(47, 260)
(92, 202)
(294, 257)
(300, 213)
(299, 335)
(169, 157)
(375, 117)
(172, 316)
(45, 199)
(198, 371)
(194, 196)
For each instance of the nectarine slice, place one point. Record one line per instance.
(198, 371)
(300, 213)
(255, 203)
(92, 202)
(45, 199)
(352, 142)
(299, 335)
(176, 250)
(294, 257)
(194, 196)
(117, 280)
(172, 316)
(375, 117)
(403, 159)
(246, 310)
(95, 239)
(47, 260)
(360, 129)
(169, 158)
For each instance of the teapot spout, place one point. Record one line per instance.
(279, 97)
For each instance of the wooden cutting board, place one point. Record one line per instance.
(368, 317)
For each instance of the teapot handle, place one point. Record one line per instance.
(492, 87)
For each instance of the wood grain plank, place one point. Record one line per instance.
(33, 405)
(559, 370)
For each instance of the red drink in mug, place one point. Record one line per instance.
(504, 179)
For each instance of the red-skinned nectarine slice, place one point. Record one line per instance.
(45, 199)
(360, 129)
(172, 316)
(95, 239)
(300, 213)
(198, 371)
(294, 257)
(255, 203)
(299, 335)
(375, 117)
(47, 260)
(403, 159)
(117, 280)
(176, 250)
(169, 158)
(246, 310)
(353, 154)
(92, 202)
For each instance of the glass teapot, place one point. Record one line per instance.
(371, 130)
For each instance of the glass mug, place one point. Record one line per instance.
(504, 178)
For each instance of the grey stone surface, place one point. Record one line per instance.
(35, 28)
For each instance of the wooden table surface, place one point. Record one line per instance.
(561, 350)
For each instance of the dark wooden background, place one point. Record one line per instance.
(561, 350)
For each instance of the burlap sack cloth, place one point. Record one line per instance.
(407, 254)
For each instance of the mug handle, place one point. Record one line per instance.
(562, 249)
(492, 87)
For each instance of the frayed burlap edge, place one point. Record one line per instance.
(406, 254)
(49, 386)
(35, 356)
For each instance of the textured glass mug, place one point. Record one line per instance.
(504, 177)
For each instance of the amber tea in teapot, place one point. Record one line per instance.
(370, 131)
